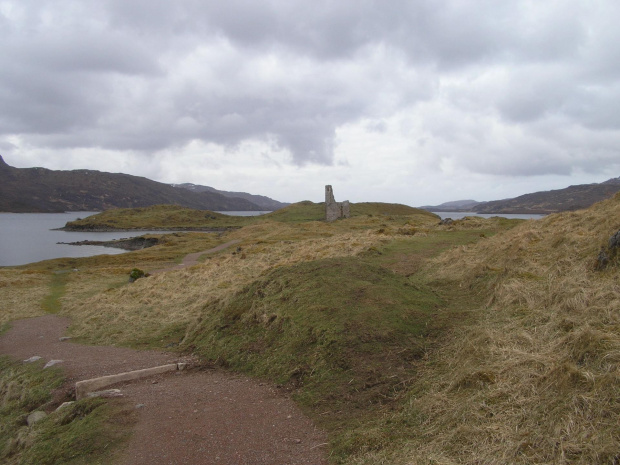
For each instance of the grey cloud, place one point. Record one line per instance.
(85, 52)
(129, 74)
(7, 147)
(535, 163)
(53, 104)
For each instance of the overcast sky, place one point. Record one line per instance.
(410, 101)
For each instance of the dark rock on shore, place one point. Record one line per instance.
(134, 243)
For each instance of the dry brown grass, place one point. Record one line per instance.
(153, 307)
(536, 378)
(532, 376)
(21, 293)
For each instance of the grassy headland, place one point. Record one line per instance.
(483, 341)
(174, 217)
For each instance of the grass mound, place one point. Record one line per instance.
(389, 209)
(344, 333)
(155, 217)
(175, 217)
(156, 310)
(299, 212)
(310, 211)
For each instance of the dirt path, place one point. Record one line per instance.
(192, 258)
(184, 418)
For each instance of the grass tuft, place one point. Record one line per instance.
(83, 433)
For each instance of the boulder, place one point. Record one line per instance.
(609, 255)
(602, 259)
(614, 241)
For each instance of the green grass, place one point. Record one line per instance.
(343, 333)
(297, 213)
(157, 217)
(406, 256)
(83, 433)
(387, 209)
(58, 284)
(175, 217)
(4, 328)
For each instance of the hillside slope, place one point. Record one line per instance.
(568, 199)
(43, 190)
(264, 202)
(543, 202)
(534, 377)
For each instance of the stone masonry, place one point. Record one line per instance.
(335, 210)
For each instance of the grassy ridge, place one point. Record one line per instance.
(344, 334)
(176, 217)
(533, 376)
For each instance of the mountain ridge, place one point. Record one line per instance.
(574, 197)
(41, 190)
(262, 201)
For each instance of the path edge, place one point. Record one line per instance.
(82, 388)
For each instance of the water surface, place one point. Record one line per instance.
(29, 237)
(244, 213)
(459, 215)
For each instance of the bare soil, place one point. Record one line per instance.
(194, 417)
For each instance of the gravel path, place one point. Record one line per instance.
(187, 417)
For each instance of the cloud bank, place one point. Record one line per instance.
(412, 99)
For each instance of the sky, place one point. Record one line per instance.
(409, 101)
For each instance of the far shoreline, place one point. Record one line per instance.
(188, 229)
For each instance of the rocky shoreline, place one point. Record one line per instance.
(133, 243)
(163, 230)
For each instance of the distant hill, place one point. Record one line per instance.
(42, 190)
(544, 202)
(263, 202)
(455, 205)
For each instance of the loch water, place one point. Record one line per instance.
(30, 237)
(459, 215)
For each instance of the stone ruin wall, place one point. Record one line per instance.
(335, 210)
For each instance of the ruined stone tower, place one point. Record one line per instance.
(333, 209)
